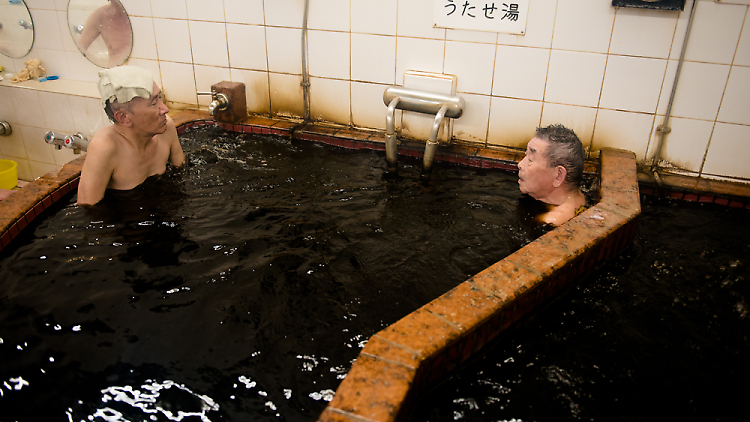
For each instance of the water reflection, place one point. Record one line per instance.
(152, 400)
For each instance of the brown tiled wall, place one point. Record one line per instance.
(21, 208)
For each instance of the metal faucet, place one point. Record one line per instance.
(77, 142)
(219, 101)
(54, 138)
(5, 129)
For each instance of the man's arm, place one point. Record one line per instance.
(176, 156)
(91, 30)
(96, 172)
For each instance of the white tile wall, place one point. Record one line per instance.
(205, 76)
(368, 109)
(68, 43)
(583, 25)
(735, 106)
(686, 144)
(418, 54)
(331, 15)
(47, 32)
(699, 90)
(329, 54)
(202, 10)
(366, 66)
(286, 94)
(27, 106)
(284, 50)
(180, 85)
(643, 32)
(36, 150)
(600, 70)
(374, 17)
(680, 30)
(471, 36)
(88, 115)
(742, 56)
(539, 26)
(729, 150)
(12, 147)
(619, 129)
(7, 108)
(716, 29)
(513, 122)
(150, 65)
(632, 83)
(473, 123)
(57, 111)
(144, 40)
(580, 119)
(520, 72)
(256, 89)
(62, 4)
(415, 20)
(286, 13)
(209, 43)
(244, 11)
(173, 40)
(41, 4)
(575, 78)
(247, 46)
(329, 100)
(176, 9)
(472, 63)
(133, 7)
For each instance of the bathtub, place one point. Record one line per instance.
(405, 359)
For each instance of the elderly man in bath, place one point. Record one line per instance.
(552, 171)
(139, 143)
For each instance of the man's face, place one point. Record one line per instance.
(149, 115)
(535, 177)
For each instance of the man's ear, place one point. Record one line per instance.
(560, 173)
(121, 117)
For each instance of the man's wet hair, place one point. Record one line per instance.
(113, 105)
(565, 149)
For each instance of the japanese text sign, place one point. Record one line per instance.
(508, 16)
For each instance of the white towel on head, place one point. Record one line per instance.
(125, 83)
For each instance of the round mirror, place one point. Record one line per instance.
(16, 29)
(101, 30)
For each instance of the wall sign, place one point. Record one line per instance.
(651, 4)
(506, 16)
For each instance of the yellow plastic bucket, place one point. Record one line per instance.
(8, 174)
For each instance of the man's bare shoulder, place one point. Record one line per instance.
(104, 142)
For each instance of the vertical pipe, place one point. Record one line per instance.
(305, 75)
(431, 147)
(391, 146)
(664, 128)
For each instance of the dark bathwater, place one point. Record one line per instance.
(661, 332)
(240, 288)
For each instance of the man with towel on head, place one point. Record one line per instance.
(139, 143)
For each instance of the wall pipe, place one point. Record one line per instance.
(391, 143)
(441, 105)
(664, 128)
(305, 75)
(431, 148)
